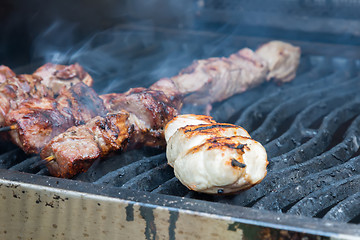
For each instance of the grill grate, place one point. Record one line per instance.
(310, 128)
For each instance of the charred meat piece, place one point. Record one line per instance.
(47, 81)
(149, 110)
(214, 158)
(76, 149)
(140, 117)
(38, 120)
(14, 90)
(57, 76)
(80, 103)
(282, 59)
(5, 73)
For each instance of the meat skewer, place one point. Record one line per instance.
(141, 123)
(47, 81)
(204, 82)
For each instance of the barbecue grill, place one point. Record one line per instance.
(310, 128)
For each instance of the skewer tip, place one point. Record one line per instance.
(8, 128)
(49, 158)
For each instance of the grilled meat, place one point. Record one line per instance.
(282, 60)
(16, 89)
(38, 120)
(149, 110)
(140, 117)
(5, 73)
(47, 81)
(76, 149)
(215, 157)
(57, 76)
(215, 79)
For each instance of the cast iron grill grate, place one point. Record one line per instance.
(310, 128)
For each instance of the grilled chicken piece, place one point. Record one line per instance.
(185, 120)
(214, 158)
(76, 149)
(38, 120)
(282, 59)
(57, 76)
(149, 110)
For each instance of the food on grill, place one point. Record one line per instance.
(13, 90)
(5, 73)
(47, 81)
(57, 76)
(205, 81)
(149, 111)
(38, 120)
(214, 157)
(215, 79)
(282, 60)
(140, 117)
(76, 149)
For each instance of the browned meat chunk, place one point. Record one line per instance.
(5, 73)
(76, 149)
(57, 76)
(38, 120)
(149, 110)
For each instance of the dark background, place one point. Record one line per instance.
(26, 26)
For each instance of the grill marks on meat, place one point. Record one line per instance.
(139, 117)
(57, 76)
(47, 81)
(38, 120)
(214, 157)
(80, 103)
(77, 148)
(16, 89)
(149, 110)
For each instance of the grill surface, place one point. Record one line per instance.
(309, 127)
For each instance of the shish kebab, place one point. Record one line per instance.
(139, 116)
(34, 121)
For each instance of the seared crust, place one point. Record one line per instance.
(38, 120)
(149, 110)
(76, 149)
(215, 157)
(140, 117)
